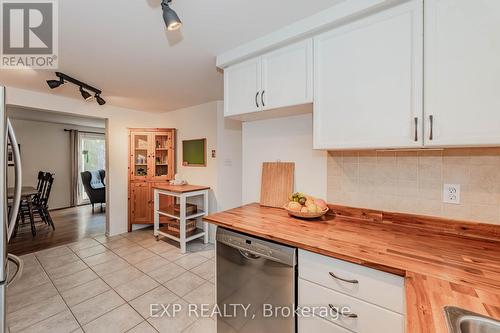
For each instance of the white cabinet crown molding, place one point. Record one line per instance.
(341, 12)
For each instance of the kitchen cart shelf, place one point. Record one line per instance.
(177, 217)
(181, 193)
(163, 231)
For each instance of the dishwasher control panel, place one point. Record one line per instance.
(257, 247)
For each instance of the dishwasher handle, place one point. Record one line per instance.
(249, 255)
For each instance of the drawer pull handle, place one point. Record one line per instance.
(349, 315)
(431, 135)
(341, 279)
(416, 129)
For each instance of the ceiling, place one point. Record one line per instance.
(54, 117)
(123, 48)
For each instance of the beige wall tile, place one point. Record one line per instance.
(368, 170)
(407, 189)
(430, 171)
(350, 157)
(350, 170)
(367, 156)
(412, 181)
(407, 157)
(407, 171)
(484, 213)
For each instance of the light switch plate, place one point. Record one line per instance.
(451, 193)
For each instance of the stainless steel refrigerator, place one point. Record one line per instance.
(10, 265)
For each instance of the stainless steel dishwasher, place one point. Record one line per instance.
(258, 275)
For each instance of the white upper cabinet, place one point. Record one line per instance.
(462, 72)
(242, 86)
(287, 76)
(368, 81)
(278, 79)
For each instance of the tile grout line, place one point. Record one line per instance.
(58, 293)
(111, 288)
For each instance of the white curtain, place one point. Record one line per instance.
(74, 151)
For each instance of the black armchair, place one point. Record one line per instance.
(94, 187)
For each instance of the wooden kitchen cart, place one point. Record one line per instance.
(177, 212)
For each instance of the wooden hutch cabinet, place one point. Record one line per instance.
(151, 163)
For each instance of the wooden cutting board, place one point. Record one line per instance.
(277, 183)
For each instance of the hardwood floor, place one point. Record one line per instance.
(72, 224)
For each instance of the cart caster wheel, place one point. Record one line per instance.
(157, 237)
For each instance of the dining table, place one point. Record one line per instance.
(27, 194)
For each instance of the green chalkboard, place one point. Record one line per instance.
(194, 152)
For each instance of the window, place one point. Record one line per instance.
(91, 156)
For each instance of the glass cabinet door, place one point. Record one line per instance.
(162, 159)
(140, 155)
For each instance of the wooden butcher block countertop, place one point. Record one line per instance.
(444, 262)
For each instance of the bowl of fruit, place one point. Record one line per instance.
(305, 206)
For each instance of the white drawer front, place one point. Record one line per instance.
(380, 288)
(369, 316)
(318, 325)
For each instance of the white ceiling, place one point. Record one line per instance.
(54, 117)
(123, 48)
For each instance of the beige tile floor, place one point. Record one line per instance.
(106, 284)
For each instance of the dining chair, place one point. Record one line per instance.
(39, 204)
(42, 199)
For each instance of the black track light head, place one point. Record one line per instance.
(85, 94)
(99, 100)
(170, 17)
(55, 83)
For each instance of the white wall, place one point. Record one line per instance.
(118, 120)
(196, 122)
(222, 173)
(46, 147)
(229, 161)
(287, 140)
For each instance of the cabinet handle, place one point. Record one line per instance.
(341, 279)
(431, 134)
(349, 315)
(416, 129)
(262, 97)
(256, 100)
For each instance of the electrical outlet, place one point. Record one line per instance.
(451, 193)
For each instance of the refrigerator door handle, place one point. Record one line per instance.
(18, 179)
(19, 268)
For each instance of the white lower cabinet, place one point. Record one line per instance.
(366, 298)
(371, 285)
(319, 325)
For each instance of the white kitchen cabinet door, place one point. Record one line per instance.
(242, 87)
(462, 72)
(368, 81)
(287, 76)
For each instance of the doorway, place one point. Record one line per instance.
(91, 156)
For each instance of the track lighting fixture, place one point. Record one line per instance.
(99, 100)
(55, 83)
(85, 94)
(170, 17)
(84, 88)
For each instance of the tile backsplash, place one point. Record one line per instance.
(412, 181)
